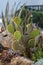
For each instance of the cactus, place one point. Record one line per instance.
(17, 35)
(16, 20)
(34, 33)
(10, 28)
(31, 43)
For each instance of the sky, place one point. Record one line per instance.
(11, 2)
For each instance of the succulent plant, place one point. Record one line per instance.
(34, 33)
(17, 35)
(10, 28)
(31, 43)
(16, 20)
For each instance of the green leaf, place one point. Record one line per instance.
(10, 28)
(33, 57)
(17, 35)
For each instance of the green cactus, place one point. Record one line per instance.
(31, 43)
(10, 28)
(34, 33)
(17, 35)
(16, 20)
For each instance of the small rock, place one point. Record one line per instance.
(20, 61)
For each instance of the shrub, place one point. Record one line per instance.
(38, 18)
(37, 53)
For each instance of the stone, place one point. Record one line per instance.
(20, 61)
(6, 39)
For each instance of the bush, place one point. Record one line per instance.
(37, 53)
(38, 18)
